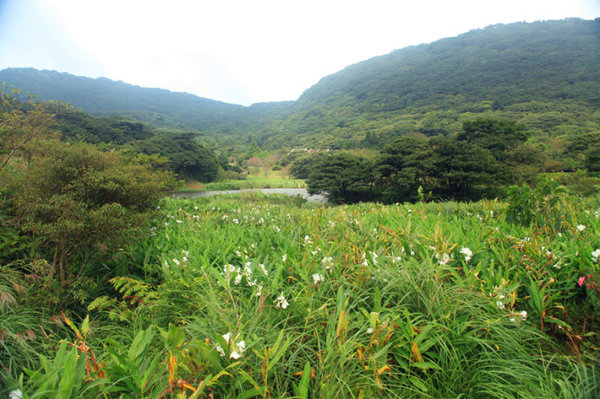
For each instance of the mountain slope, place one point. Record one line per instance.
(107, 97)
(544, 75)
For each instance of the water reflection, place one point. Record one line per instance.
(287, 191)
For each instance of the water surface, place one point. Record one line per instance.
(287, 191)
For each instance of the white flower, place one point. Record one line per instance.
(238, 279)
(237, 349)
(179, 221)
(467, 253)
(284, 257)
(264, 270)
(500, 305)
(523, 314)
(16, 394)
(176, 261)
(281, 302)
(580, 227)
(369, 330)
(445, 258)
(596, 255)
(317, 277)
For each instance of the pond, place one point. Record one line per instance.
(287, 191)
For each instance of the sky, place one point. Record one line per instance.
(241, 51)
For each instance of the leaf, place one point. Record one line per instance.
(68, 375)
(426, 365)
(418, 383)
(416, 351)
(85, 326)
(176, 336)
(139, 344)
(280, 352)
(301, 389)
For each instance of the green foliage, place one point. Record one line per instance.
(542, 75)
(404, 166)
(83, 202)
(282, 301)
(186, 156)
(545, 206)
(342, 177)
(302, 165)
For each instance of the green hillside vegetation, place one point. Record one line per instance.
(542, 75)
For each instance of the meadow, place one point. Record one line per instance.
(252, 295)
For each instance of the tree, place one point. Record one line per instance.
(83, 203)
(403, 167)
(21, 122)
(464, 170)
(186, 156)
(342, 177)
(495, 135)
(302, 165)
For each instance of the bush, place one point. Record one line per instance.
(83, 203)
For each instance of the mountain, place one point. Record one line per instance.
(544, 75)
(115, 98)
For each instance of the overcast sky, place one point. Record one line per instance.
(241, 51)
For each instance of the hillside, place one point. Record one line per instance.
(544, 75)
(109, 98)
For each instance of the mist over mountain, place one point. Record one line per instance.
(544, 75)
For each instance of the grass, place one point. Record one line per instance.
(381, 302)
(251, 182)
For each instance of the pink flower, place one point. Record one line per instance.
(581, 281)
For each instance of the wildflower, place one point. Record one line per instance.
(523, 314)
(219, 349)
(238, 279)
(580, 227)
(281, 302)
(16, 394)
(557, 266)
(317, 277)
(444, 259)
(284, 257)
(581, 281)
(369, 330)
(500, 305)
(467, 253)
(237, 349)
(596, 255)
(263, 269)
(179, 221)
(176, 261)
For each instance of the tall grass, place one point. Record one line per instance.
(261, 296)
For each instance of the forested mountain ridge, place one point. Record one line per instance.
(107, 97)
(543, 75)
(505, 64)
